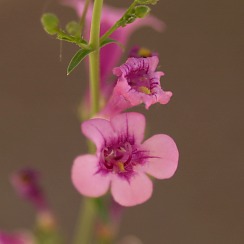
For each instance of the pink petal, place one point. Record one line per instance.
(135, 192)
(97, 130)
(86, 179)
(166, 154)
(132, 124)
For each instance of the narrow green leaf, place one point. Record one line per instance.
(109, 41)
(78, 57)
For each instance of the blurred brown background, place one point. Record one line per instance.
(201, 53)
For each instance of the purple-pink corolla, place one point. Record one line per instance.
(137, 83)
(122, 161)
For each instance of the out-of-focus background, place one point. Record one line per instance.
(201, 53)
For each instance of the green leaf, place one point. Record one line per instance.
(109, 41)
(78, 57)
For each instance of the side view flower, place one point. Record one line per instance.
(138, 82)
(122, 161)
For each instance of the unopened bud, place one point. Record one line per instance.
(128, 19)
(142, 11)
(50, 23)
(73, 28)
(131, 19)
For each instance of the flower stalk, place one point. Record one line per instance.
(85, 224)
(94, 57)
(88, 212)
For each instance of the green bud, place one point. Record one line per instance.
(50, 23)
(127, 19)
(73, 28)
(131, 19)
(153, 2)
(141, 11)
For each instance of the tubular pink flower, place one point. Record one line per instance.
(122, 161)
(111, 53)
(137, 83)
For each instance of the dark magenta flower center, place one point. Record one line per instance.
(121, 158)
(117, 158)
(142, 81)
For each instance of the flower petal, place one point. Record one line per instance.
(166, 154)
(86, 179)
(130, 124)
(97, 130)
(136, 191)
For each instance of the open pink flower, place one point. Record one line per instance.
(111, 53)
(122, 161)
(138, 82)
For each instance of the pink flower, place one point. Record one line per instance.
(137, 83)
(16, 238)
(122, 161)
(111, 53)
(26, 183)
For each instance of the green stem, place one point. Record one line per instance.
(94, 57)
(86, 219)
(83, 17)
(111, 30)
(118, 23)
